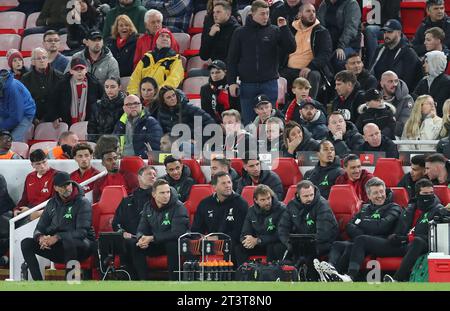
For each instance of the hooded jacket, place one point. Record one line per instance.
(124, 55)
(357, 185)
(67, 220)
(408, 183)
(403, 103)
(307, 144)
(375, 220)
(263, 224)
(382, 116)
(166, 223)
(429, 130)
(144, 44)
(315, 218)
(325, 177)
(104, 116)
(349, 106)
(350, 142)
(387, 146)
(53, 14)
(443, 146)
(254, 52)
(41, 87)
(146, 130)
(135, 12)
(419, 38)
(286, 11)
(317, 126)
(183, 185)
(16, 103)
(293, 110)
(367, 81)
(129, 212)
(216, 47)
(227, 216)
(104, 67)
(268, 178)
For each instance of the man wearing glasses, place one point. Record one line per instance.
(52, 44)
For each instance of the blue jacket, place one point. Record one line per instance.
(147, 130)
(15, 104)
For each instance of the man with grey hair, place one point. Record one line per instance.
(376, 219)
(153, 20)
(40, 81)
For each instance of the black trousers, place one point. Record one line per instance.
(381, 247)
(340, 255)
(139, 255)
(273, 251)
(291, 74)
(61, 252)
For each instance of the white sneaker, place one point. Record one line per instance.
(331, 271)
(388, 279)
(318, 268)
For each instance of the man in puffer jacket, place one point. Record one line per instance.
(343, 134)
(313, 118)
(179, 177)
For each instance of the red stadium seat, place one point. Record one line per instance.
(30, 42)
(46, 131)
(443, 193)
(196, 63)
(238, 165)
(288, 171)
(290, 194)
(12, 22)
(247, 194)
(46, 146)
(400, 196)
(131, 164)
(20, 148)
(389, 170)
(412, 15)
(192, 86)
(31, 20)
(197, 194)
(389, 263)
(103, 211)
(344, 202)
(183, 40)
(197, 24)
(196, 170)
(9, 41)
(194, 47)
(80, 128)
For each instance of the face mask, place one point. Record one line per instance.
(424, 201)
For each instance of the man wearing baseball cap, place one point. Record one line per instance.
(64, 231)
(312, 117)
(395, 54)
(264, 110)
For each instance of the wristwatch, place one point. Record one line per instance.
(258, 241)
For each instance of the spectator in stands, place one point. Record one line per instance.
(162, 64)
(311, 58)
(375, 110)
(139, 131)
(443, 145)
(52, 16)
(355, 176)
(177, 14)
(90, 20)
(163, 220)
(82, 154)
(99, 58)
(423, 124)
(40, 81)
(312, 118)
(6, 213)
(343, 134)
(355, 64)
(38, 185)
(122, 44)
(417, 172)
(237, 140)
(349, 97)
(264, 111)
(396, 92)
(296, 139)
(224, 211)
(377, 142)
(64, 231)
(259, 233)
(395, 54)
(254, 175)
(106, 143)
(114, 177)
(436, 17)
(75, 95)
(63, 150)
(16, 64)
(179, 177)
(376, 219)
(5, 147)
(106, 111)
(209, 7)
(131, 8)
(51, 43)
(221, 164)
(216, 35)
(17, 107)
(273, 136)
(256, 61)
(148, 92)
(436, 83)
(410, 239)
(215, 96)
(308, 213)
(434, 41)
(300, 88)
(289, 9)
(437, 168)
(342, 18)
(327, 169)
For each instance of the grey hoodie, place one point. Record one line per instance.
(437, 63)
(403, 103)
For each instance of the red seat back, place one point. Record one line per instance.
(344, 203)
(103, 211)
(290, 194)
(196, 170)
(131, 164)
(238, 165)
(401, 196)
(443, 193)
(412, 15)
(389, 170)
(247, 194)
(288, 171)
(197, 194)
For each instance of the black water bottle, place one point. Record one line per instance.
(186, 270)
(24, 271)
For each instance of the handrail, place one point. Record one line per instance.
(415, 142)
(13, 220)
